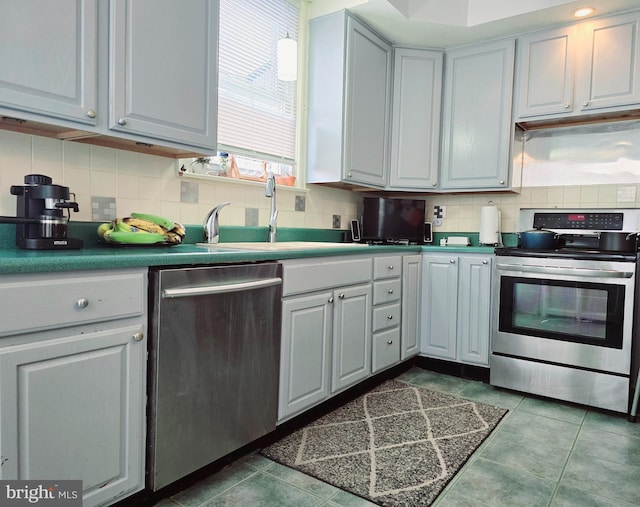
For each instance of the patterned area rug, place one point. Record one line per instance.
(398, 444)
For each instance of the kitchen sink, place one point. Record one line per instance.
(282, 245)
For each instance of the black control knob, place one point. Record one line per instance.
(37, 179)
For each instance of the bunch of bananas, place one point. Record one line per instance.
(142, 229)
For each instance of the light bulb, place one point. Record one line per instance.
(287, 50)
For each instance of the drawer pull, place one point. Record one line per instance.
(390, 317)
(390, 291)
(390, 342)
(138, 336)
(341, 296)
(330, 300)
(390, 267)
(82, 303)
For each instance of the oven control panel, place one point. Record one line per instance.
(583, 221)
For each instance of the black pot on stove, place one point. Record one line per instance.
(537, 239)
(619, 241)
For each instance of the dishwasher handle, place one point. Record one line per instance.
(220, 289)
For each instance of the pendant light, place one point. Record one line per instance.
(287, 50)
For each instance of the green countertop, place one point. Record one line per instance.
(96, 256)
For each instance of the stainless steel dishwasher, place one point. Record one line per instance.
(213, 360)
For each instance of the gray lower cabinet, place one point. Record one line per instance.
(477, 128)
(83, 66)
(455, 317)
(411, 294)
(326, 330)
(73, 381)
(387, 311)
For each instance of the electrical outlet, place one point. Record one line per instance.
(300, 203)
(336, 221)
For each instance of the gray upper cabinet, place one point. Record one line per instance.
(163, 70)
(415, 131)
(545, 72)
(122, 69)
(349, 95)
(588, 67)
(477, 127)
(48, 52)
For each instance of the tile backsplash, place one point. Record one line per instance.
(151, 184)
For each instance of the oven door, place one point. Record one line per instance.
(564, 311)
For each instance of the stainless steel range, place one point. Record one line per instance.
(563, 318)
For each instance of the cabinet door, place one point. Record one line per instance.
(545, 72)
(305, 352)
(351, 336)
(609, 71)
(49, 53)
(367, 106)
(477, 126)
(410, 305)
(74, 408)
(474, 304)
(415, 131)
(439, 306)
(163, 69)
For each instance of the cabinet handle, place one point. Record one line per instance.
(390, 267)
(138, 336)
(341, 296)
(348, 175)
(434, 183)
(122, 121)
(567, 105)
(82, 303)
(390, 291)
(91, 113)
(452, 261)
(330, 300)
(501, 182)
(585, 103)
(390, 317)
(390, 342)
(485, 262)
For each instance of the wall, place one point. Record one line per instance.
(150, 184)
(462, 212)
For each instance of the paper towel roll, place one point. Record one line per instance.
(490, 226)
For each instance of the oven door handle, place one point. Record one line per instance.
(550, 270)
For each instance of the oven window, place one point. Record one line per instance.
(578, 312)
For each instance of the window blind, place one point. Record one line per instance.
(256, 111)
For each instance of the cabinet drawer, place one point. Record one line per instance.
(386, 349)
(386, 291)
(386, 316)
(305, 276)
(388, 266)
(53, 300)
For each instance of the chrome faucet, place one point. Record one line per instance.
(270, 191)
(211, 227)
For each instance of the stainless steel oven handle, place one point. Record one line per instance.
(221, 289)
(550, 270)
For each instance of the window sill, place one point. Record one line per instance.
(236, 181)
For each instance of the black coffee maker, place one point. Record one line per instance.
(41, 223)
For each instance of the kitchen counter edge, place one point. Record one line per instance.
(15, 261)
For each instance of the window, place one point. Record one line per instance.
(256, 111)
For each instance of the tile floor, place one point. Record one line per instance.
(543, 453)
